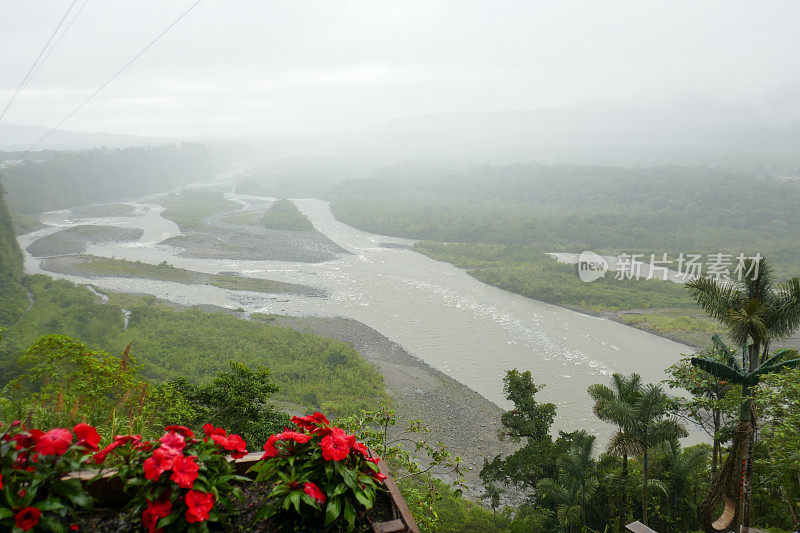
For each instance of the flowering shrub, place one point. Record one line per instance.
(178, 481)
(321, 474)
(32, 466)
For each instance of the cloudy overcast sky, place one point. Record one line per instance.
(240, 67)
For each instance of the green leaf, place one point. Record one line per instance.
(5, 512)
(295, 497)
(264, 513)
(363, 499)
(333, 510)
(51, 524)
(349, 513)
(167, 520)
(50, 504)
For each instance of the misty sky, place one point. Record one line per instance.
(262, 67)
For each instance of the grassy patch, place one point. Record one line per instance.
(528, 271)
(90, 265)
(283, 214)
(24, 223)
(189, 208)
(312, 371)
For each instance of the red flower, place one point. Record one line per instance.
(88, 437)
(27, 518)
(124, 439)
(156, 510)
(360, 448)
(181, 430)
(54, 442)
(1, 481)
(173, 442)
(158, 463)
(232, 443)
(199, 505)
(312, 422)
(336, 446)
(314, 491)
(184, 471)
(377, 476)
(300, 438)
(269, 447)
(210, 430)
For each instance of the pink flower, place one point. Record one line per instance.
(184, 471)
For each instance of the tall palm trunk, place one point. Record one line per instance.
(753, 352)
(644, 487)
(624, 491)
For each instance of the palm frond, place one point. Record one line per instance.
(785, 317)
(716, 298)
(719, 370)
(728, 354)
(777, 367)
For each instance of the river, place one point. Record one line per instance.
(437, 312)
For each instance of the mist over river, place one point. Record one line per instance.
(471, 331)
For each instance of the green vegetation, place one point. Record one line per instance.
(189, 208)
(90, 265)
(25, 223)
(506, 217)
(283, 214)
(311, 371)
(13, 298)
(72, 178)
(690, 326)
(528, 271)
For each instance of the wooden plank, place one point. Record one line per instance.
(394, 526)
(638, 527)
(400, 503)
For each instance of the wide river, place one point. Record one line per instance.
(471, 331)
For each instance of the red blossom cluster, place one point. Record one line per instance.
(336, 444)
(29, 446)
(170, 454)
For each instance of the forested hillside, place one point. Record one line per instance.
(55, 180)
(12, 295)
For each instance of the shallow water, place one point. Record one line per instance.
(471, 331)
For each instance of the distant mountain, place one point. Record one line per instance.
(685, 131)
(22, 137)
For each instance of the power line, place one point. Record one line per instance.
(29, 76)
(61, 36)
(112, 78)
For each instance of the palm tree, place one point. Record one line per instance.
(730, 371)
(756, 311)
(647, 427)
(615, 405)
(576, 481)
(679, 465)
